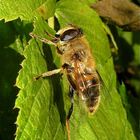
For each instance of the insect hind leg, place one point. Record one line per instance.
(71, 93)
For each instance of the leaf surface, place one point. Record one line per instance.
(44, 103)
(110, 121)
(25, 10)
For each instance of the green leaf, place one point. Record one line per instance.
(111, 37)
(36, 98)
(9, 63)
(110, 121)
(26, 10)
(129, 61)
(44, 103)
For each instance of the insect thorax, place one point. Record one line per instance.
(75, 50)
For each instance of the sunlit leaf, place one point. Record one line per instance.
(44, 104)
(26, 10)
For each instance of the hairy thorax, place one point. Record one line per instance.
(77, 50)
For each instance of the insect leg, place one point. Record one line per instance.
(48, 73)
(51, 42)
(50, 35)
(52, 72)
(71, 93)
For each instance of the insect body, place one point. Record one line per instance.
(79, 66)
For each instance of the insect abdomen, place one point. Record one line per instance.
(91, 94)
(93, 98)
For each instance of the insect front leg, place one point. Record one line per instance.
(71, 93)
(53, 41)
(48, 73)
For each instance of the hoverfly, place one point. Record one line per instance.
(79, 66)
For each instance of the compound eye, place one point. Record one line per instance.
(69, 35)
